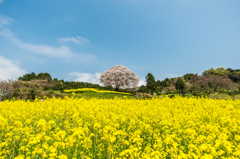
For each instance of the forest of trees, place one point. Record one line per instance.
(219, 80)
(58, 85)
(212, 80)
(31, 85)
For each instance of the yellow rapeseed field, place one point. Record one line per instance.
(96, 90)
(120, 128)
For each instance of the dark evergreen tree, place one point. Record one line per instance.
(44, 76)
(179, 85)
(143, 89)
(150, 82)
(188, 76)
(28, 77)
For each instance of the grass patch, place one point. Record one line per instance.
(223, 96)
(90, 94)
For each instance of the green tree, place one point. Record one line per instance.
(234, 75)
(158, 83)
(165, 82)
(143, 89)
(188, 76)
(28, 77)
(179, 85)
(150, 82)
(220, 71)
(44, 76)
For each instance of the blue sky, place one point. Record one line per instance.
(79, 39)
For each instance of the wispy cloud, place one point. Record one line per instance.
(141, 82)
(9, 69)
(85, 77)
(4, 20)
(1, 1)
(46, 50)
(78, 40)
(169, 75)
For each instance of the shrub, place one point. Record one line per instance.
(236, 97)
(232, 93)
(194, 93)
(171, 95)
(219, 96)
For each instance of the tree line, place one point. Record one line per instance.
(59, 85)
(219, 80)
(30, 86)
(120, 78)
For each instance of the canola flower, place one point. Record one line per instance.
(95, 90)
(120, 128)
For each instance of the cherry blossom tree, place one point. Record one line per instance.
(119, 77)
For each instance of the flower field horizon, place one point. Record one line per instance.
(95, 90)
(120, 128)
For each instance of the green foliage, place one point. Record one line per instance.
(158, 83)
(28, 77)
(188, 76)
(151, 83)
(218, 96)
(194, 93)
(232, 93)
(213, 80)
(172, 95)
(31, 76)
(174, 92)
(16, 92)
(76, 84)
(60, 85)
(179, 85)
(44, 76)
(143, 89)
(236, 97)
(220, 71)
(234, 75)
(165, 82)
(91, 94)
(147, 96)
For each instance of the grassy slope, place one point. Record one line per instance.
(89, 95)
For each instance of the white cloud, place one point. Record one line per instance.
(141, 82)
(9, 69)
(77, 40)
(169, 75)
(85, 77)
(1, 1)
(62, 51)
(4, 20)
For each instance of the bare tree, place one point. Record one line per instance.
(5, 88)
(212, 83)
(119, 76)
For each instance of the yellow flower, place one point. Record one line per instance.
(121, 128)
(62, 157)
